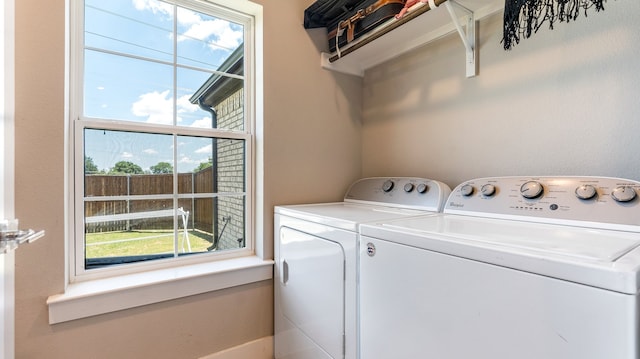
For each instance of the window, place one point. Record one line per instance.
(163, 122)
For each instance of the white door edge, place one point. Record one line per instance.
(7, 111)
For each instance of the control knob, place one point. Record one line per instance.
(531, 189)
(488, 190)
(408, 187)
(623, 194)
(387, 185)
(467, 190)
(422, 188)
(586, 191)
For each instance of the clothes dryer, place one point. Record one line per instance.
(316, 262)
(514, 267)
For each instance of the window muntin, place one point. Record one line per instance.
(173, 112)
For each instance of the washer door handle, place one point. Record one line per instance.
(284, 275)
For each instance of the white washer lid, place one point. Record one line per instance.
(603, 258)
(346, 215)
(592, 244)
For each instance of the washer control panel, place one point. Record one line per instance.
(407, 192)
(600, 201)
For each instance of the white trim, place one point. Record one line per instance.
(138, 215)
(106, 124)
(256, 349)
(7, 305)
(7, 108)
(7, 180)
(90, 298)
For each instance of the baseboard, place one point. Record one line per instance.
(257, 349)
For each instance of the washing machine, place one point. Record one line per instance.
(315, 274)
(514, 267)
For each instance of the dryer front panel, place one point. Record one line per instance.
(312, 287)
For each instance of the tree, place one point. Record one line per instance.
(161, 167)
(204, 165)
(126, 167)
(89, 166)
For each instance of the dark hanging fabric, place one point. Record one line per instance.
(524, 17)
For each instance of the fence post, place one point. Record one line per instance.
(128, 200)
(193, 200)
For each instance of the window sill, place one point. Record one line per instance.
(86, 299)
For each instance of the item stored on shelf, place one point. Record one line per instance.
(348, 20)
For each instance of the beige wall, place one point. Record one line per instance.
(312, 116)
(311, 150)
(564, 101)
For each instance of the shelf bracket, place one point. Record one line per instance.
(468, 37)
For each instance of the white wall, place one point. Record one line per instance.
(564, 101)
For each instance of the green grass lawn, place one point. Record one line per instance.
(131, 243)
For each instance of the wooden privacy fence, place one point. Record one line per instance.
(201, 209)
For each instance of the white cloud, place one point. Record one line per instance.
(217, 33)
(204, 122)
(187, 17)
(156, 106)
(150, 151)
(153, 5)
(205, 149)
(185, 159)
(126, 155)
(184, 105)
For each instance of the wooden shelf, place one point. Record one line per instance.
(424, 28)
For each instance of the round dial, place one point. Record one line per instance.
(387, 185)
(586, 191)
(422, 188)
(623, 194)
(466, 190)
(408, 187)
(531, 189)
(488, 190)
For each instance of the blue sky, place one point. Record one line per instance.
(132, 89)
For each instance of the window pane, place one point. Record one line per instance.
(221, 96)
(190, 113)
(231, 223)
(221, 171)
(125, 231)
(122, 88)
(208, 42)
(142, 28)
(222, 219)
(121, 153)
(218, 164)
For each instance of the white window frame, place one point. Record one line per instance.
(92, 292)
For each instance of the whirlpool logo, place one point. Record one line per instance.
(457, 205)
